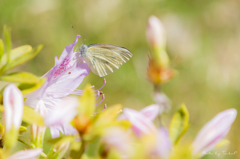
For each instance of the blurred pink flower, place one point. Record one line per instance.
(156, 34)
(118, 139)
(62, 80)
(163, 144)
(150, 112)
(26, 154)
(214, 131)
(13, 107)
(60, 116)
(142, 125)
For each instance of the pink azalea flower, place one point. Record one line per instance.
(214, 131)
(13, 105)
(150, 112)
(60, 116)
(62, 80)
(142, 125)
(26, 154)
(118, 139)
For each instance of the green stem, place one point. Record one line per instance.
(82, 150)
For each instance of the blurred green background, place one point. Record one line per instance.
(203, 43)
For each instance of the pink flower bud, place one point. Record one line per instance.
(13, 105)
(214, 131)
(156, 34)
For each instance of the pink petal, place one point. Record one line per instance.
(150, 111)
(39, 130)
(13, 104)
(164, 144)
(140, 124)
(26, 154)
(64, 113)
(118, 139)
(214, 131)
(156, 33)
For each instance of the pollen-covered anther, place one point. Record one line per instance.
(97, 95)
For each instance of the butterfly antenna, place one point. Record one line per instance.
(77, 33)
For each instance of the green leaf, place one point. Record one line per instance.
(108, 115)
(2, 130)
(10, 138)
(62, 139)
(16, 53)
(179, 124)
(1, 49)
(32, 117)
(87, 101)
(20, 77)
(27, 88)
(8, 42)
(19, 56)
(1, 108)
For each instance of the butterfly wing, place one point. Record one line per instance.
(104, 58)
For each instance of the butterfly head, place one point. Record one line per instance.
(83, 49)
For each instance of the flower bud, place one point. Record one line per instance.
(13, 110)
(156, 35)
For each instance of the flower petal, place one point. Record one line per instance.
(214, 131)
(64, 113)
(156, 33)
(26, 154)
(150, 111)
(164, 144)
(140, 124)
(13, 104)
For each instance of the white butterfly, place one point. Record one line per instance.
(103, 59)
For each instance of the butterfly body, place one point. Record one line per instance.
(103, 59)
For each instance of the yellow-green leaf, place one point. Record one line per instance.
(1, 49)
(62, 139)
(2, 130)
(27, 88)
(32, 117)
(16, 53)
(1, 108)
(179, 124)
(108, 115)
(87, 102)
(19, 56)
(20, 77)
(8, 42)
